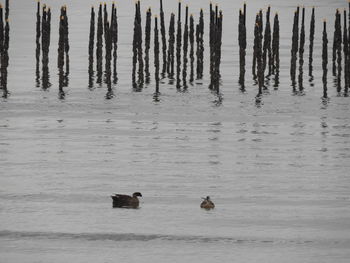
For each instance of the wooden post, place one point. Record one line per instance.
(156, 54)
(200, 45)
(267, 43)
(311, 46)
(191, 37)
(147, 43)
(91, 39)
(185, 50)
(346, 56)
(324, 59)
(99, 45)
(339, 52)
(301, 51)
(38, 34)
(294, 50)
(178, 48)
(275, 50)
(171, 61)
(242, 48)
(164, 45)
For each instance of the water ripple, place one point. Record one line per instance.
(124, 237)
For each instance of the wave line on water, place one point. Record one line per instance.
(122, 237)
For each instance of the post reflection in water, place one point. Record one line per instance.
(61, 84)
(46, 78)
(218, 97)
(37, 75)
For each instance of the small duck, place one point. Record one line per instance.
(126, 201)
(207, 203)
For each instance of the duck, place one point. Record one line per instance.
(126, 201)
(207, 203)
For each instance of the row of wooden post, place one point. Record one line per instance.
(341, 40)
(106, 36)
(180, 49)
(43, 39)
(341, 49)
(265, 55)
(215, 42)
(266, 61)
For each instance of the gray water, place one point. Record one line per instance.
(278, 172)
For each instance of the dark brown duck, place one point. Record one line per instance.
(207, 203)
(126, 201)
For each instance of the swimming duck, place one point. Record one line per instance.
(126, 201)
(207, 203)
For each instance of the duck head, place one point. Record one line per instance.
(206, 198)
(137, 194)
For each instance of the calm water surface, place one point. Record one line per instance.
(278, 172)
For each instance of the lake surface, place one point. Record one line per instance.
(278, 172)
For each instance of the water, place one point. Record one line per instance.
(277, 172)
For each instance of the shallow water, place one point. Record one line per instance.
(277, 172)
